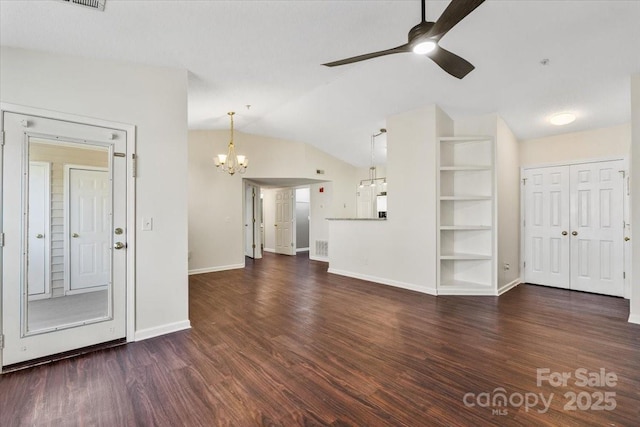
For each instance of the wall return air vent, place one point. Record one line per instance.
(93, 4)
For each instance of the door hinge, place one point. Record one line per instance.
(524, 181)
(1, 240)
(525, 264)
(2, 141)
(253, 246)
(624, 275)
(134, 166)
(1, 341)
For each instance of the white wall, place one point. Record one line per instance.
(591, 144)
(635, 200)
(507, 175)
(215, 199)
(400, 251)
(508, 185)
(155, 101)
(321, 208)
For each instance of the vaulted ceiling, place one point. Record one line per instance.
(267, 54)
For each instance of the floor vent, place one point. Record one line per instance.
(322, 248)
(93, 4)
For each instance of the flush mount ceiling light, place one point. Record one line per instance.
(230, 162)
(560, 119)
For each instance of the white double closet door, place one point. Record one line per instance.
(574, 227)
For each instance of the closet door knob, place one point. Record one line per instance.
(626, 239)
(574, 233)
(564, 233)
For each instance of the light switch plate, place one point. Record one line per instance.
(147, 223)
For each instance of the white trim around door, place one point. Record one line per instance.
(130, 143)
(569, 203)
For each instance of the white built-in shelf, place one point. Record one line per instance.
(461, 287)
(466, 189)
(464, 284)
(465, 197)
(463, 139)
(458, 256)
(465, 227)
(465, 168)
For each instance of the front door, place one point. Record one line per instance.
(64, 320)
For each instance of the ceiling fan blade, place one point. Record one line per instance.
(451, 63)
(454, 13)
(399, 49)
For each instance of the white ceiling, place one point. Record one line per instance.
(268, 54)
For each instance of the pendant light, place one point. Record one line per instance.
(230, 162)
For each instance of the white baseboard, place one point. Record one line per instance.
(509, 286)
(489, 292)
(634, 318)
(302, 249)
(214, 269)
(269, 250)
(318, 258)
(144, 334)
(382, 281)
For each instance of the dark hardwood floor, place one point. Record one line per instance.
(283, 342)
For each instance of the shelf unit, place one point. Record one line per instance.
(466, 216)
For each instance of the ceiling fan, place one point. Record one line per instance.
(424, 37)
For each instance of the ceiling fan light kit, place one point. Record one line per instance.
(424, 47)
(423, 39)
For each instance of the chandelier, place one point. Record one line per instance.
(231, 162)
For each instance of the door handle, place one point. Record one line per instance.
(564, 233)
(39, 236)
(75, 235)
(626, 239)
(119, 245)
(574, 233)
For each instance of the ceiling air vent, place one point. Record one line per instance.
(93, 4)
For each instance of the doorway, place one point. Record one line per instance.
(253, 235)
(65, 261)
(574, 226)
(303, 214)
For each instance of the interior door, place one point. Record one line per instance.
(39, 233)
(365, 201)
(597, 228)
(38, 328)
(574, 227)
(285, 227)
(252, 221)
(547, 217)
(88, 195)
